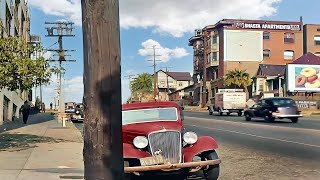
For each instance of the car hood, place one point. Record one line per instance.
(130, 131)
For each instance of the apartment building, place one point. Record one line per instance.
(14, 21)
(168, 82)
(311, 39)
(243, 44)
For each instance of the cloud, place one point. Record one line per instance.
(64, 9)
(178, 17)
(163, 54)
(169, 17)
(74, 85)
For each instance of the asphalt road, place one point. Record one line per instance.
(260, 150)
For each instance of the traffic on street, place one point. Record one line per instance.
(257, 149)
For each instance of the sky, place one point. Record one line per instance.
(167, 24)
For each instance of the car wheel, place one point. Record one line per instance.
(212, 172)
(220, 112)
(210, 112)
(239, 113)
(228, 114)
(247, 116)
(294, 120)
(268, 118)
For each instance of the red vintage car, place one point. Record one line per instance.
(155, 143)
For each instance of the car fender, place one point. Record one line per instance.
(129, 151)
(204, 143)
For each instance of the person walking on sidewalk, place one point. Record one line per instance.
(25, 109)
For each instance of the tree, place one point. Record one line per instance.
(238, 78)
(18, 70)
(103, 159)
(141, 87)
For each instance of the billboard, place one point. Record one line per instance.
(242, 45)
(304, 78)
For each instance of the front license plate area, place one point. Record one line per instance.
(154, 160)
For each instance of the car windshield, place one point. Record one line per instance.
(147, 115)
(283, 102)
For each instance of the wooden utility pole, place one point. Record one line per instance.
(103, 159)
(155, 77)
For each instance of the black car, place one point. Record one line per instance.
(272, 108)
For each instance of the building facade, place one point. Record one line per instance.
(168, 82)
(243, 44)
(311, 39)
(14, 21)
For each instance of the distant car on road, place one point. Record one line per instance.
(272, 108)
(155, 143)
(78, 113)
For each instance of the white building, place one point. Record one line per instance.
(171, 81)
(14, 21)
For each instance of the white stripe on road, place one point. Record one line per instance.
(257, 136)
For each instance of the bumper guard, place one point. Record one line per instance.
(199, 165)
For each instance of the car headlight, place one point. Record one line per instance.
(190, 137)
(77, 112)
(140, 142)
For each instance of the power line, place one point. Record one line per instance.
(60, 30)
(154, 72)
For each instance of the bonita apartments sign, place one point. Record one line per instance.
(293, 27)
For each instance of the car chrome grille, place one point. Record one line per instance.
(167, 143)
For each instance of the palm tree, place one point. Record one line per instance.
(142, 84)
(238, 78)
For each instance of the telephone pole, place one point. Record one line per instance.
(155, 77)
(103, 152)
(60, 30)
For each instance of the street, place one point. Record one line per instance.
(260, 150)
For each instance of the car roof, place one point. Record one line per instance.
(146, 105)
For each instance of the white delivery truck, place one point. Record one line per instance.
(228, 101)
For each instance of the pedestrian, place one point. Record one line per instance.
(25, 109)
(51, 105)
(43, 107)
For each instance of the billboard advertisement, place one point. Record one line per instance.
(241, 45)
(305, 78)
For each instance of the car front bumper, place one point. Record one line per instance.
(194, 166)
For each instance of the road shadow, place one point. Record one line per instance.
(19, 142)
(33, 119)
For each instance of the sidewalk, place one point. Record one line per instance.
(41, 149)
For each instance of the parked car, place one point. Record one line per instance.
(155, 143)
(78, 113)
(272, 108)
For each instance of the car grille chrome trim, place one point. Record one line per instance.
(167, 143)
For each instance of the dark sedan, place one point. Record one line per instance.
(272, 108)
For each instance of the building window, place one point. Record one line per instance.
(161, 82)
(214, 56)
(180, 84)
(288, 37)
(266, 35)
(317, 39)
(214, 39)
(288, 54)
(266, 53)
